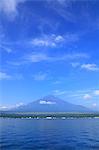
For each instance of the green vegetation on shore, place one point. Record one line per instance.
(53, 115)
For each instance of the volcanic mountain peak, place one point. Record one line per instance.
(51, 103)
(50, 100)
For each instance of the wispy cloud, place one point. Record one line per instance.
(57, 82)
(91, 94)
(82, 94)
(40, 76)
(5, 48)
(2, 107)
(59, 92)
(38, 57)
(90, 67)
(4, 76)
(74, 94)
(63, 9)
(9, 7)
(75, 64)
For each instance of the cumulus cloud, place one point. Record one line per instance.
(90, 67)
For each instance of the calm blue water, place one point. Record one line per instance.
(32, 134)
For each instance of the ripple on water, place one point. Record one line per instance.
(22, 134)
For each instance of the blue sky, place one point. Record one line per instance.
(49, 47)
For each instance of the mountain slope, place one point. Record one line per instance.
(51, 104)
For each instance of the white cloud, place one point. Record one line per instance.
(42, 42)
(40, 76)
(6, 49)
(96, 92)
(54, 40)
(87, 96)
(47, 102)
(92, 94)
(4, 76)
(9, 7)
(38, 57)
(94, 104)
(59, 92)
(82, 94)
(16, 63)
(90, 67)
(19, 104)
(62, 9)
(71, 38)
(11, 106)
(3, 107)
(74, 56)
(48, 41)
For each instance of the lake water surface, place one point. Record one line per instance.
(41, 134)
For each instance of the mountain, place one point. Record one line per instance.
(51, 104)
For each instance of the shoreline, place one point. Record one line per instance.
(48, 116)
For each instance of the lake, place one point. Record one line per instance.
(43, 134)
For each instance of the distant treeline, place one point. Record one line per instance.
(48, 115)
